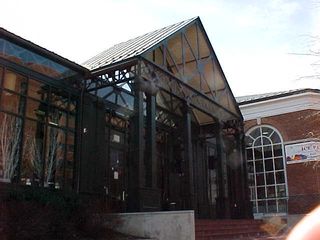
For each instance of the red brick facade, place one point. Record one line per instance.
(303, 179)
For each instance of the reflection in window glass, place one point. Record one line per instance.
(270, 178)
(260, 179)
(11, 102)
(255, 133)
(282, 205)
(267, 151)
(272, 206)
(271, 193)
(59, 99)
(14, 82)
(266, 141)
(47, 150)
(54, 158)
(280, 177)
(277, 149)
(1, 72)
(32, 157)
(72, 121)
(278, 163)
(259, 166)
(33, 61)
(268, 160)
(281, 190)
(268, 164)
(257, 152)
(69, 166)
(10, 139)
(37, 90)
(261, 206)
(36, 110)
(73, 106)
(57, 117)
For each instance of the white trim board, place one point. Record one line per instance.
(277, 106)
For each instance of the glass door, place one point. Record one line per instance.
(116, 191)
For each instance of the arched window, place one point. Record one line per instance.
(266, 169)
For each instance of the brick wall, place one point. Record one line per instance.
(293, 126)
(303, 180)
(303, 187)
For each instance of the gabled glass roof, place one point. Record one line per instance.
(184, 51)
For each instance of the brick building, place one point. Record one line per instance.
(283, 147)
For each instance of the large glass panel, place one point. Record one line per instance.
(175, 49)
(259, 166)
(1, 72)
(33, 61)
(275, 138)
(277, 149)
(11, 102)
(281, 190)
(260, 179)
(59, 98)
(267, 151)
(280, 177)
(14, 82)
(10, 139)
(37, 90)
(57, 117)
(69, 164)
(271, 192)
(191, 37)
(72, 121)
(270, 178)
(269, 165)
(261, 192)
(249, 141)
(36, 110)
(258, 152)
(255, 133)
(262, 206)
(266, 141)
(32, 157)
(73, 105)
(278, 163)
(272, 206)
(282, 205)
(55, 145)
(267, 132)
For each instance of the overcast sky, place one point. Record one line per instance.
(258, 43)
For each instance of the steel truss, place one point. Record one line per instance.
(151, 79)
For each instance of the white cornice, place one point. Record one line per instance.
(277, 106)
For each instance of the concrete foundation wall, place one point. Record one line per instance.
(178, 225)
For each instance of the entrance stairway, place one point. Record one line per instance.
(244, 229)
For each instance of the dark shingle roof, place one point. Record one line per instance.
(242, 100)
(134, 47)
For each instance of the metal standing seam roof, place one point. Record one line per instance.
(134, 47)
(267, 96)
